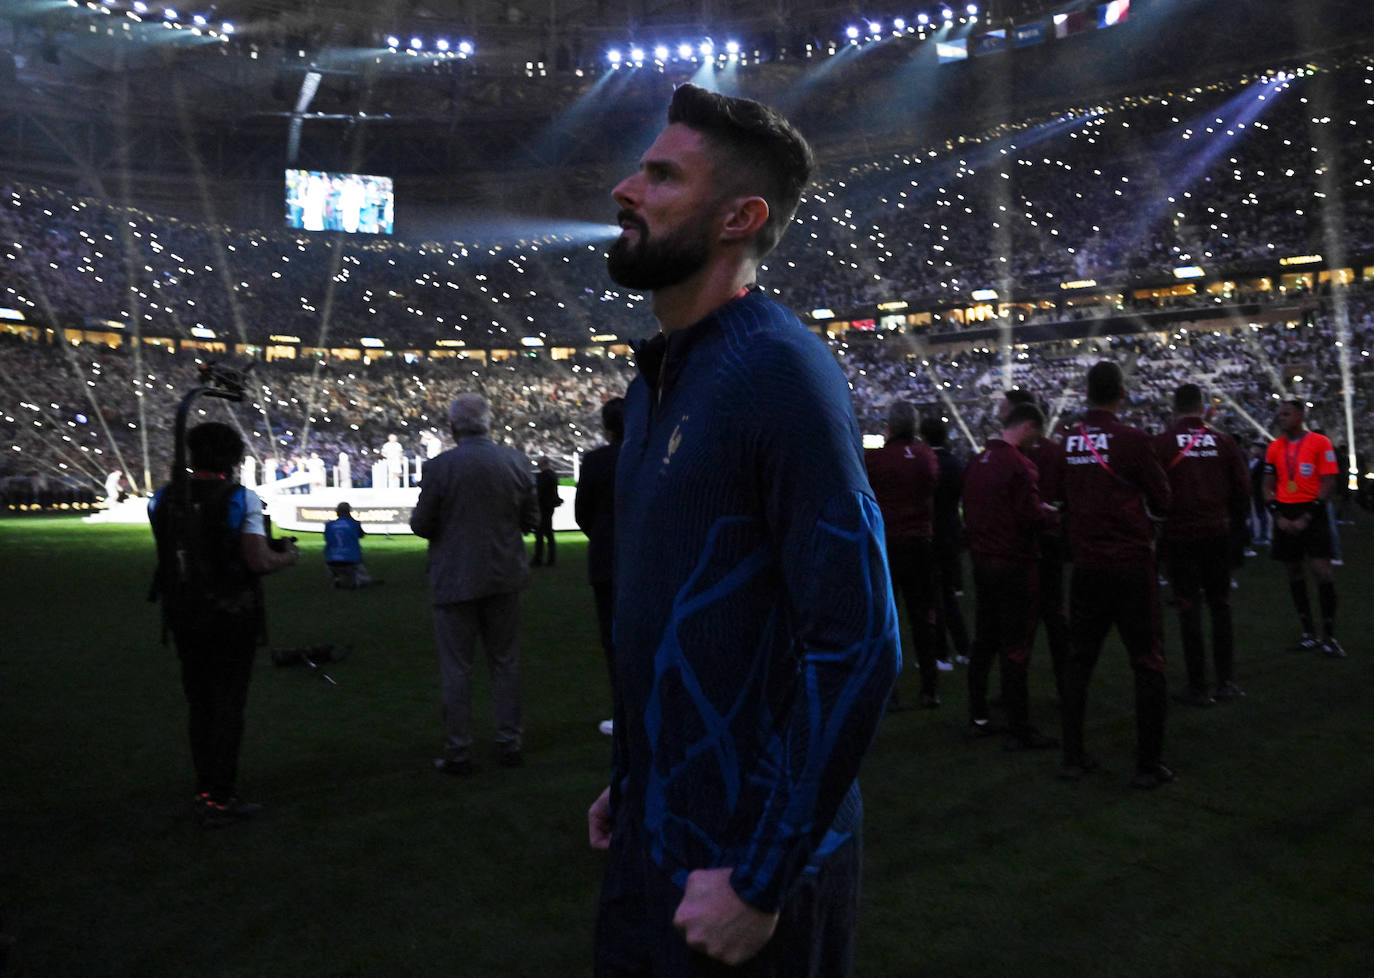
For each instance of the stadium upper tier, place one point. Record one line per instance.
(1231, 178)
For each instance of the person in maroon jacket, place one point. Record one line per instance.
(1209, 487)
(1048, 456)
(1002, 519)
(903, 474)
(1114, 487)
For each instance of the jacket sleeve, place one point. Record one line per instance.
(583, 503)
(828, 540)
(1026, 498)
(424, 518)
(529, 502)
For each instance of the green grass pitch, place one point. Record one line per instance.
(1257, 861)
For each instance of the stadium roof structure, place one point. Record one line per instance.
(171, 105)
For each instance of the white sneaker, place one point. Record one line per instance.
(607, 727)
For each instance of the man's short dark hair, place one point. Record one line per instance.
(902, 420)
(214, 447)
(764, 153)
(1019, 396)
(1188, 399)
(934, 431)
(613, 418)
(1106, 383)
(1025, 412)
(1298, 404)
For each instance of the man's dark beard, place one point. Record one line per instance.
(652, 264)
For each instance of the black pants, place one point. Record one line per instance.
(603, 593)
(1200, 572)
(216, 666)
(1127, 597)
(1052, 612)
(542, 533)
(911, 565)
(1007, 608)
(635, 937)
(949, 617)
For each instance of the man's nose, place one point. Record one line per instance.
(625, 192)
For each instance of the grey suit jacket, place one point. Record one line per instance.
(476, 501)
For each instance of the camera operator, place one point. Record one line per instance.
(213, 548)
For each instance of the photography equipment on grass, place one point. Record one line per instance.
(312, 656)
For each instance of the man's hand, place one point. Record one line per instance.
(716, 922)
(599, 821)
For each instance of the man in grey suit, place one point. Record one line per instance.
(476, 501)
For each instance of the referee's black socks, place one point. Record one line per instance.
(1298, 588)
(1326, 594)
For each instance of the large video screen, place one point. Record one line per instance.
(352, 202)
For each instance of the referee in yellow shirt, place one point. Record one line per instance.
(1300, 473)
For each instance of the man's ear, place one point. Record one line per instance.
(744, 218)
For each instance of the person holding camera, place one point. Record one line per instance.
(213, 549)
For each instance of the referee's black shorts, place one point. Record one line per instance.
(1315, 541)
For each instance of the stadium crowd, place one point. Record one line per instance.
(1225, 177)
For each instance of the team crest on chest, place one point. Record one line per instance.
(674, 440)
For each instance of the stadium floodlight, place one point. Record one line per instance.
(198, 20)
(661, 52)
(169, 14)
(706, 48)
(416, 44)
(392, 41)
(899, 24)
(140, 7)
(613, 56)
(442, 44)
(923, 19)
(465, 48)
(684, 51)
(637, 55)
(972, 10)
(875, 28)
(732, 47)
(949, 14)
(851, 32)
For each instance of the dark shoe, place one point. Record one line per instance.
(1075, 769)
(1195, 697)
(1153, 778)
(1308, 643)
(457, 768)
(1029, 740)
(928, 701)
(512, 758)
(1228, 691)
(980, 728)
(1332, 649)
(216, 814)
